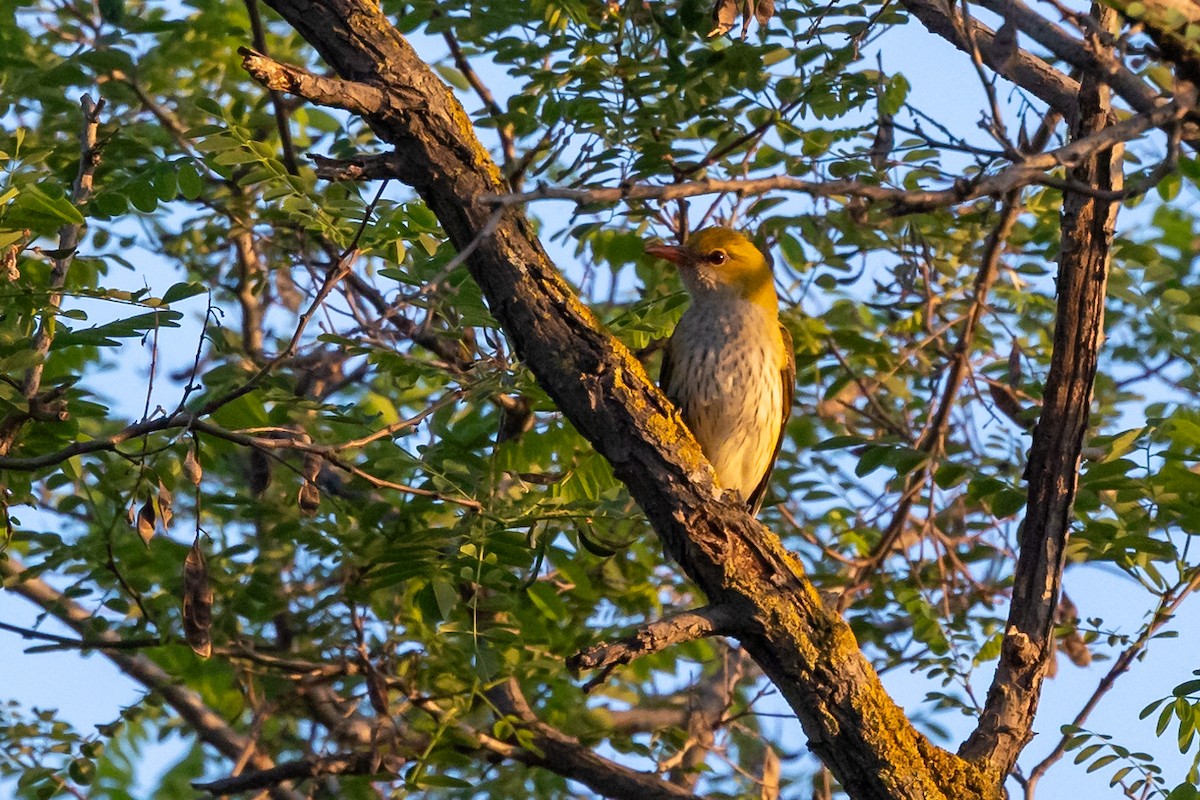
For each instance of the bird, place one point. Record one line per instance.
(729, 365)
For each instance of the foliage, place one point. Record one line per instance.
(393, 515)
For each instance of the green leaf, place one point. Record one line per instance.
(105, 335)
(182, 291)
(191, 185)
(446, 596)
(208, 105)
(34, 208)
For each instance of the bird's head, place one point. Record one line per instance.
(719, 262)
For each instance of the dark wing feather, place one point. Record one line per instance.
(788, 375)
(664, 372)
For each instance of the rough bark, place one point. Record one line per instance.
(1088, 223)
(808, 652)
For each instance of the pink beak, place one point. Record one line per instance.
(668, 252)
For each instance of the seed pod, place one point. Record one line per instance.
(724, 14)
(516, 417)
(1005, 46)
(309, 499)
(145, 521)
(885, 140)
(197, 602)
(763, 11)
(377, 689)
(312, 466)
(259, 471)
(165, 500)
(770, 775)
(191, 467)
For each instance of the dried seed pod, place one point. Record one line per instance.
(885, 139)
(1005, 46)
(312, 466)
(516, 417)
(165, 501)
(724, 14)
(770, 775)
(146, 519)
(763, 11)
(1072, 643)
(191, 466)
(309, 499)
(259, 471)
(377, 689)
(1009, 404)
(197, 602)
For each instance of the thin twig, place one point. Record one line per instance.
(259, 36)
(933, 438)
(1164, 613)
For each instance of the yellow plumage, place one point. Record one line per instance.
(729, 364)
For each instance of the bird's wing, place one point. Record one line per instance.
(787, 374)
(664, 372)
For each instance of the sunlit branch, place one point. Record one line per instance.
(713, 620)
(1031, 171)
(358, 98)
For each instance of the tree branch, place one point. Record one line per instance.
(1052, 473)
(567, 757)
(310, 767)
(350, 96)
(1021, 67)
(650, 638)
(209, 726)
(1126, 83)
(360, 168)
(1032, 170)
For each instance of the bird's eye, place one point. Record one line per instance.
(717, 257)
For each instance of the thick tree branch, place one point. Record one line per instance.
(808, 652)
(1087, 230)
(350, 96)
(310, 767)
(564, 755)
(380, 166)
(1124, 82)
(1022, 68)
